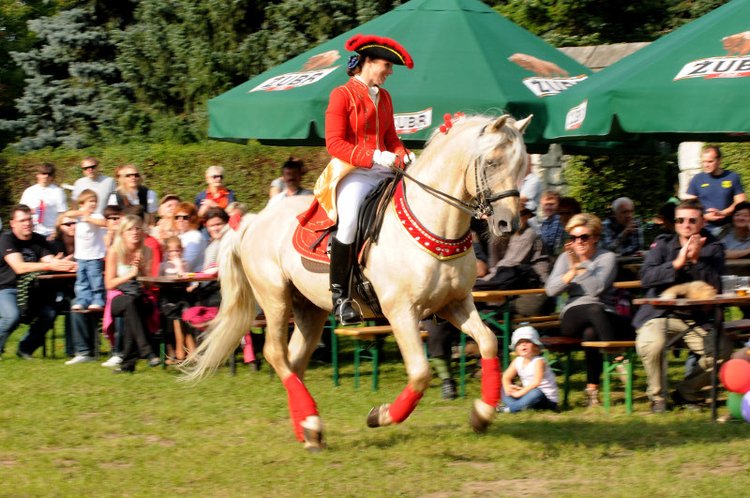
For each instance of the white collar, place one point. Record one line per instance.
(373, 90)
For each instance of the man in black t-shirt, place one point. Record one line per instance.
(23, 251)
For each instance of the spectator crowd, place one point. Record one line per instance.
(114, 230)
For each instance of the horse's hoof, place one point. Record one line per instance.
(312, 431)
(379, 416)
(481, 416)
(373, 417)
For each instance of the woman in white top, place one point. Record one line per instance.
(127, 259)
(193, 243)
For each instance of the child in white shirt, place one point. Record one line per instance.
(538, 389)
(89, 253)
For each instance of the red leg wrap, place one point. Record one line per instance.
(248, 353)
(405, 404)
(491, 381)
(301, 403)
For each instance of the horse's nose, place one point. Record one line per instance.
(506, 227)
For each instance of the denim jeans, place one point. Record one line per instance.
(9, 315)
(83, 328)
(532, 399)
(89, 286)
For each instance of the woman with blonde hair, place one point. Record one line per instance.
(131, 192)
(193, 243)
(127, 259)
(587, 274)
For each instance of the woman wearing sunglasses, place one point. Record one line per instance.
(193, 242)
(216, 194)
(131, 192)
(586, 273)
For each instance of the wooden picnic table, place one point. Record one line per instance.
(188, 278)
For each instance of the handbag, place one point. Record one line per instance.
(131, 288)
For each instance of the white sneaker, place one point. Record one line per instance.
(95, 307)
(113, 361)
(79, 358)
(77, 307)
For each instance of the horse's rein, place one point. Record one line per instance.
(478, 209)
(469, 209)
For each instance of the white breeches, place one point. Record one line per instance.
(350, 192)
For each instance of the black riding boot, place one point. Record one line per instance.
(342, 261)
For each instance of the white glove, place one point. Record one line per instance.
(409, 158)
(384, 158)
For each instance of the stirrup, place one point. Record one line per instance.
(353, 320)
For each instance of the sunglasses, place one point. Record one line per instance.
(87, 167)
(583, 238)
(45, 174)
(217, 177)
(132, 175)
(113, 218)
(680, 221)
(182, 217)
(69, 223)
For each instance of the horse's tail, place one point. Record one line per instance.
(236, 314)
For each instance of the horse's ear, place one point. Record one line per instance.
(499, 123)
(522, 124)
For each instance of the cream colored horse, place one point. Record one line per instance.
(480, 157)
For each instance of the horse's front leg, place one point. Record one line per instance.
(407, 335)
(464, 316)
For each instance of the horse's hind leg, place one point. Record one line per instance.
(417, 368)
(464, 315)
(276, 351)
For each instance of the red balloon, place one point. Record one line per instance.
(735, 375)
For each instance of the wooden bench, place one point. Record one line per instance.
(368, 342)
(737, 329)
(610, 350)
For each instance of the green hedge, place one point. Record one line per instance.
(167, 168)
(249, 169)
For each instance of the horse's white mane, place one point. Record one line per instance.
(477, 145)
(472, 137)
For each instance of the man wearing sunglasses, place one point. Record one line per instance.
(690, 254)
(45, 199)
(22, 253)
(92, 179)
(216, 194)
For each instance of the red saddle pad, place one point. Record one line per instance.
(310, 239)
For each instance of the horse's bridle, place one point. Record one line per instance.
(482, 205)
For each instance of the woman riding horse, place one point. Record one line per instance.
(361, 137)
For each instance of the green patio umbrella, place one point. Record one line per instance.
(467, 58)
(692, 84)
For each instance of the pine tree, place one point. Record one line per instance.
(74, 93)
(15, 37)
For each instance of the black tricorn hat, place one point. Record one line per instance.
(380, 47)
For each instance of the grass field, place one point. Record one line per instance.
(81, 431)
